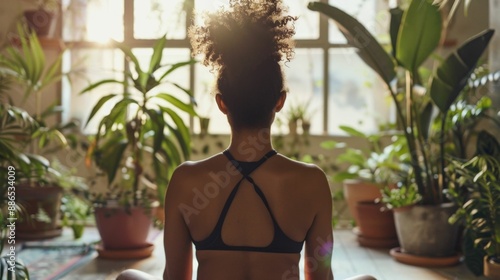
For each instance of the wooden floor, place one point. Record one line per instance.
(349, 259)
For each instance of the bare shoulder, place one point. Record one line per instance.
(307, 174)
(190, 172)
(308, 170)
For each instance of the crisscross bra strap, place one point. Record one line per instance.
(238, 166)
(246, 175)
(281, 242)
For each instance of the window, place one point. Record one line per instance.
(326, 74)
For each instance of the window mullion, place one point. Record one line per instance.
(323, 38)
(128, 21)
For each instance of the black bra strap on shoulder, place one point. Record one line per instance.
(258, 163)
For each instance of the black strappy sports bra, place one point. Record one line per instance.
(280, 243)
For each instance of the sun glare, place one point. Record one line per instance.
(210, 5)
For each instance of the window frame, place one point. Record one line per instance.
(322, 43)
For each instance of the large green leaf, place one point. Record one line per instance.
(184, 138)
(129, 55)
(176, 102)
(100, 83)
(176, 66)
(396, 18)
(111, 155)
(352, 131)
(425, 120)
(98, 106)
(452, 75)
(419, 34)
(370, 51)
(157, 54)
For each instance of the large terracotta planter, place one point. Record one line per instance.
(35, 200)
(491, 268)
(425, 231)
(356, 191)
(376, 225)
(122, 228)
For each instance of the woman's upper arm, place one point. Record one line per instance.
(177, 239)
(319, 239)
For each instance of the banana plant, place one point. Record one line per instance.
(415, 34)
(144, 124)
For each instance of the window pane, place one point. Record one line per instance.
(155, 18)
(307, 26)
(305, 82)
(204, 89)
(373, 14)
(92, 65)
(356, 95)
(95, 21)
(209, 5)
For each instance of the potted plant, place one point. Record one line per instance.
(299, 116)
(14, 122)
(24, 62)
(476, 190)
(75, 207)
(423, 228)
(137, 146)
(369, 171)
(40, 17)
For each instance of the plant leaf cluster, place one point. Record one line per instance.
(144, 124)
(415, 34)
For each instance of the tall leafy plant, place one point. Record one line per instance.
(143, 126)
(415, 34)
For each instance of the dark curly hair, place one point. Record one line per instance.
(245, 45)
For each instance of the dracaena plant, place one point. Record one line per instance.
(144, 132)
(415, 35)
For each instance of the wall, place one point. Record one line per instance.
(462, 28)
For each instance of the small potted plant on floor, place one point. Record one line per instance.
(423, 228)
(137, 146)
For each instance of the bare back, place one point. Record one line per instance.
(299, 200)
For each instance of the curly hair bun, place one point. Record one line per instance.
(246, 34)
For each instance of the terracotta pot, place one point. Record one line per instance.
(34, 200)
(40, 21)
(425, 231)
(356, 191)
(374, 221)
(491, 268)
(122, 228)
(376, 228)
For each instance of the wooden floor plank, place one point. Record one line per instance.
(349, 259)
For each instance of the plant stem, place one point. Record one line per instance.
(442, 177)
(409, 140)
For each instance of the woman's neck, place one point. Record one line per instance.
(250, 144)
